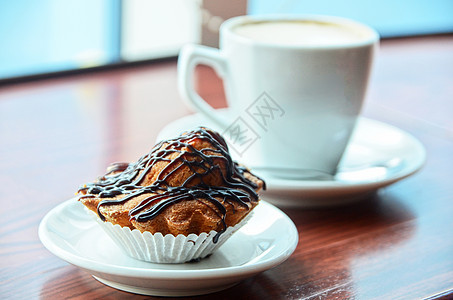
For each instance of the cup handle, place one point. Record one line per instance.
(189, 57)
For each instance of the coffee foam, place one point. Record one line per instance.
(302, 33)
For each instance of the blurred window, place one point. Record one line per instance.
(53, 35)
(58, 35)
(48, 36)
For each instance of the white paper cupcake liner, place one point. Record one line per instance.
(158, 248)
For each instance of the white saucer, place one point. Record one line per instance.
(267, 240)
(377, 156)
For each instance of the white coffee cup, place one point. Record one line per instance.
(295, 86)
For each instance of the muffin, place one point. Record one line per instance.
(177, 203)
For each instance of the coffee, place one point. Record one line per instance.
(294, 85)
(302, 33)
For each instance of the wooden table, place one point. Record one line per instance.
(56, 134)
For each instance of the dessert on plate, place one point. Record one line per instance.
(177, 203)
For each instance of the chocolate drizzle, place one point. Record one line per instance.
(207, 165)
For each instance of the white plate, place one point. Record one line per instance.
(267, 240)
(377, 156)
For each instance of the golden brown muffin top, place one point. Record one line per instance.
(193, 166)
